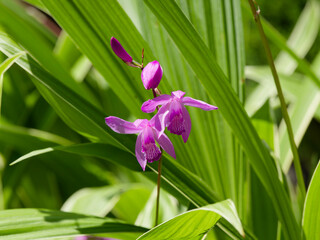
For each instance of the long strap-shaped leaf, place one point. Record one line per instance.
(195, 223)
(3, 68)
(311, 212)
(215, 82)
(43, 223)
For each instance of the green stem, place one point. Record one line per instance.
(159, 173)
(294, 149)
(158, 191)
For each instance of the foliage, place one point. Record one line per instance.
(58, 156)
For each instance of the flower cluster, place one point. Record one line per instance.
(172, 114)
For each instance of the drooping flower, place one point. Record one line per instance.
(120, 51)
(151, 75)
(146, 149)
(173, 113)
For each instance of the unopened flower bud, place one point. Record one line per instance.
(151, 75)
(120, 51)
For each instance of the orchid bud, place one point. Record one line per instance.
(151, 75)
(120, 51)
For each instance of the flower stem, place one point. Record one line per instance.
(154, 92)
(285, 114)
(158, 190)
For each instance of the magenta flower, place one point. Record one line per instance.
(120, 51)
(146, 148)
(173, 113)
(151, 75)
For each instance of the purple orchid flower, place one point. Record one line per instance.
(173, 113)
(146, 148)
(151, 75)
(120, 51)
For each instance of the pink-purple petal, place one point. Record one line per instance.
(197, 103)
(151, 105)
(165, 143)
(121, 126)
(141, 123)
(139, 154)
(119, 50)
(159, 121)
(186, 117)
(151, 75)
(178, 94)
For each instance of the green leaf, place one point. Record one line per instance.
(27, 138)
(129, 206)
(301, 113)
(36, 44)
(3, 68)
(42, 223)
(195, 222)
(213, 79)
(71, 107)
(311, 212)
(93, 39)
(300, 40)
(104, 151)
(95, 201)
(167, 210)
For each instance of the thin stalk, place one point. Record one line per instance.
(158, 190)
(159, 174)
(285, 114)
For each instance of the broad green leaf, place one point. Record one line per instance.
(215, 83)
(42, 223)
(311, 211)
(94, 201)
(3, 68)
(167, 210)
(129, 206)
(195, 222)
